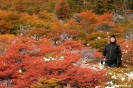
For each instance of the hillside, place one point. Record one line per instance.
(59, 43)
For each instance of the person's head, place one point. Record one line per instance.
(112, 39)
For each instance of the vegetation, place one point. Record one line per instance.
(58, 43)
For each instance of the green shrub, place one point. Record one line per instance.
(47, 83)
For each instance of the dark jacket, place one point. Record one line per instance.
(112, 52)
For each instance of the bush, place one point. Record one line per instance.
(47, 83)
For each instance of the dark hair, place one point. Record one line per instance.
(112, 36)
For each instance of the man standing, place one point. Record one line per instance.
(112, 53)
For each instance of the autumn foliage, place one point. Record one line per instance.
(62, 9)
(26, 62)
(54, 43)
(127, 53)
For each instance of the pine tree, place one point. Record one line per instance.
(62, 10)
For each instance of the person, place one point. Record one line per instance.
(112, 53)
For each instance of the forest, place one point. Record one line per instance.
(59, 43)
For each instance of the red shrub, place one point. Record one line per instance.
(25, 63)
